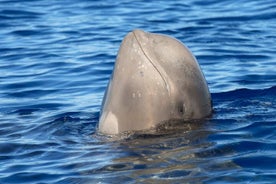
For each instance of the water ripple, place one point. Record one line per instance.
(55, 61)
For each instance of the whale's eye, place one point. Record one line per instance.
(181, 108)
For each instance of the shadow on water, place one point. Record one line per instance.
(173, 152)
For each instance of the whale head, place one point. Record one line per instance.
(155, 79)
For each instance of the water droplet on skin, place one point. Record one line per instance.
(133, 95)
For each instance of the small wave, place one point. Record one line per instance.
(245, 93)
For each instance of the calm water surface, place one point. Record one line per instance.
(55, 61)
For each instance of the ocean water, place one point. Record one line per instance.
(56, 58)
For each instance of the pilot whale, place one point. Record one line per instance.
(155, 79)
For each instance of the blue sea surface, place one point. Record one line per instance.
(56, 58)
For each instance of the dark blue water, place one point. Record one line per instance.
(55, 61)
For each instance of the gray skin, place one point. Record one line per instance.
(155, 79)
